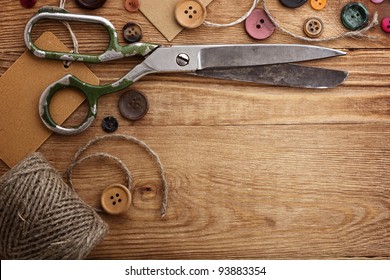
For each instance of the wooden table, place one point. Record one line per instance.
(255, 171)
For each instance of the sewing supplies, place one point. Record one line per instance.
(41, 217)
(253, 63)
(133, 105)
(110, 124)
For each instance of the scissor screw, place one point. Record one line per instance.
(182, 59)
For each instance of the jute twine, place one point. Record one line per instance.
(41, 217)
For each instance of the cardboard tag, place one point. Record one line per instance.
(21, 129)
(162, 15)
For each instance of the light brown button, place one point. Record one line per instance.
(313, 27)
(132, 5)
(190, 13)
(116, 199)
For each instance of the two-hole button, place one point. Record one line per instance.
(258, 25)
(190, 13)
(115, 199)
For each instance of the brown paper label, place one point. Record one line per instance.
(21, 129)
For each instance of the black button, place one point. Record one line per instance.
(132, 32)
(109, 124)
(90, 4)
(133, 105)
(293, 3)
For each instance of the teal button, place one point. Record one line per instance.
(354, 16)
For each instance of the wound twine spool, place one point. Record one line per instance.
(41, 217)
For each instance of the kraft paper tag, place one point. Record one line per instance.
(162, 15)
(21, 129)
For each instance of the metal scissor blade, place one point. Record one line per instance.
(250, 55)
(280, 74)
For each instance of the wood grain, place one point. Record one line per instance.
(255, 171)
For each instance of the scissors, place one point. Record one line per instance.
(258, 63)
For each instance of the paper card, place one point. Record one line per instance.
(162, 15)
(21, 129)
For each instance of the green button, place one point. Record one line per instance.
(354, 16)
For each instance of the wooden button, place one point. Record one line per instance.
(132, 5)
(313, 27)
(317, 4)
(190, 13)
(90, 4)
(258, 25)
(132, 32)
(115, 199)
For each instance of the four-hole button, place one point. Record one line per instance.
(115, 199)
(190, 13)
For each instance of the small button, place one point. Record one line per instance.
(386, 24)
(317, 4)
(115, 199)
(190, 13)
(109, 124)
(132, 32)
(133, 105)
(354, 16)
(293, 3)
(258, 25)
(90, 4)
(28, 3)
(132, 5)
(313, 27)
(377, 1)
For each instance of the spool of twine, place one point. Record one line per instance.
(41, 217)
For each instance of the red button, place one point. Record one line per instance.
(28, 3)
(386, 24)
(258, 25)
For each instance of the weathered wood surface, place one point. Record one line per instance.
(254, 171)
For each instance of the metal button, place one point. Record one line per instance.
(293, 3)
(313, 27)
(132, 5)
(90, 4)
(354, 16)
(386, 24)
(109, 124)
(190, 13)
(28, 3)
(132, 32)
(133, 105)
(317, 4)
(115, 199)
(258, 25)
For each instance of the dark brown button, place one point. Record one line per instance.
(313, 27)
(115, 199)
(28, 3)
(109, 124)
(133, 105)
(132, 5)
(132, 32)
(190, 13)
(90, 4)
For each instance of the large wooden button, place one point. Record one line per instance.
(90, 4)
(313, 27)
(190, 13)
(116, 199)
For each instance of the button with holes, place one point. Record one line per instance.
(132, 32)
(132, 5)
(28, 3)
(354, 16)
(133, 105)
(190, 13)
(386, 24)
(258, 25)
(115, 199)
(293, 3)
(317, 4)
(90, 4)
(313, 27)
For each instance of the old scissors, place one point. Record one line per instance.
(259, 63)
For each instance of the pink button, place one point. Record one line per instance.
(258, 25)
(377, 1)
(386, 24)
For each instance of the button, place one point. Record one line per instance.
(354, 16)
(377, 1)
(28, 3)
(317, 4)
(115, 199)
(132, 32)
(293, 3)
(313, 27)
(90, 4)
(386, 24)
(132, 5)
(258, 25)
(190, 13)
(109, 124)
(133, 105)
